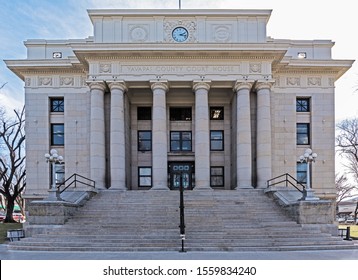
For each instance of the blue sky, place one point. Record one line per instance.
(63, 19)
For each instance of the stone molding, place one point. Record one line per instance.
(242, 85)
(121, 85)
(201, 85)
(163, 85)
(96, 85)
(263, 85)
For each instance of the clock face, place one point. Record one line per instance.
(180, 34)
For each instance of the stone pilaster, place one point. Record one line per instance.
(202, 144)
(97, 134)
(159, 136)
(243, 135)
(263, 142)
(117, 137)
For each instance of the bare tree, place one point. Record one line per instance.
(12, 161)
(347, 146)
(343, 187)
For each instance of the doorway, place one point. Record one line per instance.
(181, 173)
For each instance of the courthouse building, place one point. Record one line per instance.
(158, 98)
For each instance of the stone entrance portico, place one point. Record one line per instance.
(222, 99)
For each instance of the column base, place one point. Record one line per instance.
(159, 188)
(202, 188)
(243, 187)
(309, 196)
(53, 195)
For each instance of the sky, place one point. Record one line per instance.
(67, 19)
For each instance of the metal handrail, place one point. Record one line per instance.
(73, 178)
(285, 178)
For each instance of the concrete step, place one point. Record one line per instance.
(149, 221)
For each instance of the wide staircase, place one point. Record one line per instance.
(244, 220)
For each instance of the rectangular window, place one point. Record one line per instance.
(180, 114)
(303, 133)
(58, 134)
(57, 105)
(144, 113)
(302, 105)
(217, 176)
(144, 140)
(216, 113)
(145, 176)
(216, 140)
(301, 172)
(180, 141)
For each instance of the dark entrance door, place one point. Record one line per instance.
(181, 173)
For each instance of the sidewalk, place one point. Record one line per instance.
(5, 254)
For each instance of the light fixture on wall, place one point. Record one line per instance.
(57, 55)
(302, 55)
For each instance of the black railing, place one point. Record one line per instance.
(288, 180)
(182, 222)
(75, 180)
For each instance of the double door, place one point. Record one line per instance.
(181, 174)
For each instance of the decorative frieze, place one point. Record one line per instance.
(331, 82)
(27, 82)
(66, 81)
(105, 68)
(222, 33)
(45, 81)
(314, 81)
(255, 68)
(189, 25)
(138, 33)
(293, 81)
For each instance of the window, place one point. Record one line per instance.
(303, 134)
(180, 141)
(217, 176)
(57, 134)
(145, 176)
(180, 114)
(216, 113)
(59, 173)
(57, 105)
(144, 140)
(301, 172)
(216, 140)
(144, 113)
(302, 105)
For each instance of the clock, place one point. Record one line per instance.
(180, 34)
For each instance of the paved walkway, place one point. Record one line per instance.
(6, 254)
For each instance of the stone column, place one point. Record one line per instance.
(97, 134)
(263, 142)
(159, 136)
(117, 138)
(243, 135)
(202, 138)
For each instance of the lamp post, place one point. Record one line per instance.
(53, 158)
(308, 157)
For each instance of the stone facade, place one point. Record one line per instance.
(226, 63)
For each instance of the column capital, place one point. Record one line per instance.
(163, 85)
(121, 85)
(264, 85)
(201, 85)
(100, 85)
(242, 85)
